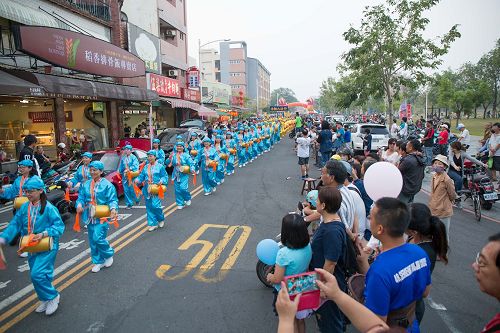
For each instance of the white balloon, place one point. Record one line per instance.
(383, 179)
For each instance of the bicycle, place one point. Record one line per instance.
(472, 190)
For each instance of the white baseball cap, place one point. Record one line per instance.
(460, 126)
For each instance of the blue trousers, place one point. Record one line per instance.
(220, 173)
(100, 249)
(128, 190)
(248, 154)
(208, 179)
(230, 164)
(181, 188)
(241, 156)
(154, 211)
(325, 157)
(457, 179)
(267, 144)
(428, 155)
(42, 273)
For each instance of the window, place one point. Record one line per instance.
(234, 62)
(235, 74)
(182, 35)
(235, 86)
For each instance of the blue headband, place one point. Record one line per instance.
(152, 152)
(156, 141)
(26, 163)
(97, 165)
(34, 183)
(87, 154)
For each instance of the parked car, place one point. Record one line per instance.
(380, 136)
(198, 123)
(111, 159)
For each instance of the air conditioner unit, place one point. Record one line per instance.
(173, 72)
(170, 33)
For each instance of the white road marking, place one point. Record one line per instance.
(4, 284)
(29, 288)
(24, 267)
(448, 321)
(72, 244)
(122, 217)
(436, 306)
(95, 327)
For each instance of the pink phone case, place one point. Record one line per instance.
(309, 299)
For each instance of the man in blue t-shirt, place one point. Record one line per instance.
(401, 273)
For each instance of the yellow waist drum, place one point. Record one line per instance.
(45, 244)
(19, 201)
(100, 211)
(154, 189)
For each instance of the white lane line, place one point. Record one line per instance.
(448, 321)
(436, 306)
(124, 207)
(26, 290)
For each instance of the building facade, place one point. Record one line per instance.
(232, 66)
(62, 67)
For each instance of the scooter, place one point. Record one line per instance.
(263, 269)
(482, 185)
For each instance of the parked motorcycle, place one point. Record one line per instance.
(481, 184)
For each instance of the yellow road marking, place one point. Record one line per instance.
(161, 272)
(171, 208)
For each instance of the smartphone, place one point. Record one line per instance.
(301, 283)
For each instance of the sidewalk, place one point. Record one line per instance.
(494, 213)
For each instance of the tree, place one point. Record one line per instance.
(340, 94)
(453, 92)
(490, 70)
(285, 93)
(389, 50)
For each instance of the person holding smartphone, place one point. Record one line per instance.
(293, 258)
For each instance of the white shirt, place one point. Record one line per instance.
(465, 136)
(392, 158)
(404, 130)
(494, 141)
(347, 211)
(394, 129)
(360, 210)
(303, 147)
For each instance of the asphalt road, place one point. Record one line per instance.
(198, 273)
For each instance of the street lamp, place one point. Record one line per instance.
(199, 63)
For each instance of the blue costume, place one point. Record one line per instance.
(267, 138)
(82, 174)
(207, 172)
(240, 140)
(153, 174)
(221, 167)
(48, 223)
(260, 137)
(160, 154)
(230, 144)
(180, 179)
(194, 145)
(128, 163)
(93, 193)
(16, 189)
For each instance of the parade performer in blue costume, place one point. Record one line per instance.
(267, 137)
(26, 170)
(232, 150)
(159, 152)
(183, 167)
(82, 174)
(209, 159)
(94, 194)
(194, 149)
(223, 159)
(128, 165)
(153, 176)
(260, 138)
(38, 219)
(241, 142)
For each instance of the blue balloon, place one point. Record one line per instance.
(267, 250)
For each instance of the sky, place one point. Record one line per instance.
(300, 42)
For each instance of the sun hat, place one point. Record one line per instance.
(97, 165)
(34, 183)
(441, 158)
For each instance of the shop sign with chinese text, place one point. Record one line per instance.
(77, 52)
(193, 75)
(47, 116)
(190, 95)
(163, 85)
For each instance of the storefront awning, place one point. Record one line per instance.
(21, 13)
(68, 87)
(180, 103)
(14, 86)
(207, 112)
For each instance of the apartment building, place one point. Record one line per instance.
(232, 66)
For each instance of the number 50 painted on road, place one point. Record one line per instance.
(209, 263)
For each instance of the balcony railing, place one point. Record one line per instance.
(96, 8)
